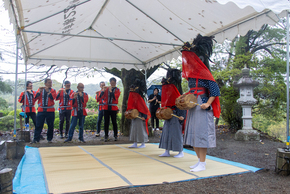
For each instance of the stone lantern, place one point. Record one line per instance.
(246, 85)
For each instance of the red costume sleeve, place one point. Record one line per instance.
(53, 93)
(20, 97)
(169, 95)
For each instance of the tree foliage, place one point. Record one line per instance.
(4, 86)
(263, 52)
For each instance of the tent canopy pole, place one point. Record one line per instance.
(287, 122)
(15, 85)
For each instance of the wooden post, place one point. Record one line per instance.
(282, 162)
(21, 126)
(14, 149)
(6, 181)
(24, 135)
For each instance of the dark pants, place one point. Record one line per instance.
(64, 114)
(40, 118)
(74, 122)
(100, 118)
(32, 115)
(113, 114)
(153, 116)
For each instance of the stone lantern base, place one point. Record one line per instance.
(247, 135)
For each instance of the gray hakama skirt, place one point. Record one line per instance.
(171, 137)
(200, 128)
(138, 131)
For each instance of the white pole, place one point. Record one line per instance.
(287, 125)
(25, 93)
(15, 89)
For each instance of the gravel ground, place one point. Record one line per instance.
(259, 154)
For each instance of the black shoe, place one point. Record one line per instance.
(66, 136)
(33, 142)
(81, 140)
(106, 139)
(41, 137)
(67, 140)
(61, 136)
(116, 138)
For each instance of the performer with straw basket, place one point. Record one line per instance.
(139, 113)
(200, 128)
(171, 138)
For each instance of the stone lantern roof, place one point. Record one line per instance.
(246, 80)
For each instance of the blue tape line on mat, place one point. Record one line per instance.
(29, 176)
(158, 161)
(247, 167)
(121, 176)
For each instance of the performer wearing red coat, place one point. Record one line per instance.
(79, 102)
(110, 95)
(28, 103)
(139, 126)
(45, 97)
(65, 107)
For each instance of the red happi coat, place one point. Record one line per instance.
(29, 107)
(193, 67)
(75, 106)
(50, 102)
(60, 97)
(135, 101)
(114, 103)
(100, 100)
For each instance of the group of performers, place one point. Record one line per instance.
(198, 122)
(72, 108)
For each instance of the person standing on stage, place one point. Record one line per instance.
(65, 107)
(28, 104)
(45, 96)
(200, 128)
(101, 108)
(110, 96)
(139, 126)
(79, 113)
(155, 101)
(171, 137)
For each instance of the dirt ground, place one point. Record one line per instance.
(258, 154)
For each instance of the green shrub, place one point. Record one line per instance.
(5, 112)
(91, 122)
(7, 123)
(17, 112)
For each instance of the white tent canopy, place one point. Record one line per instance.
(129, 33)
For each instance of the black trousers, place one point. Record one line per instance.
(64, 114)
(113, 115)
(40, 118)
(32, 115)
(153, 117)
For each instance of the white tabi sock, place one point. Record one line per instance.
(142, 145)
(134, 145)
(200, 167)
(179, 155)
(193, 166)
(165, 154)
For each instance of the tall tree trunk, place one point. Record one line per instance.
(128, 77)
